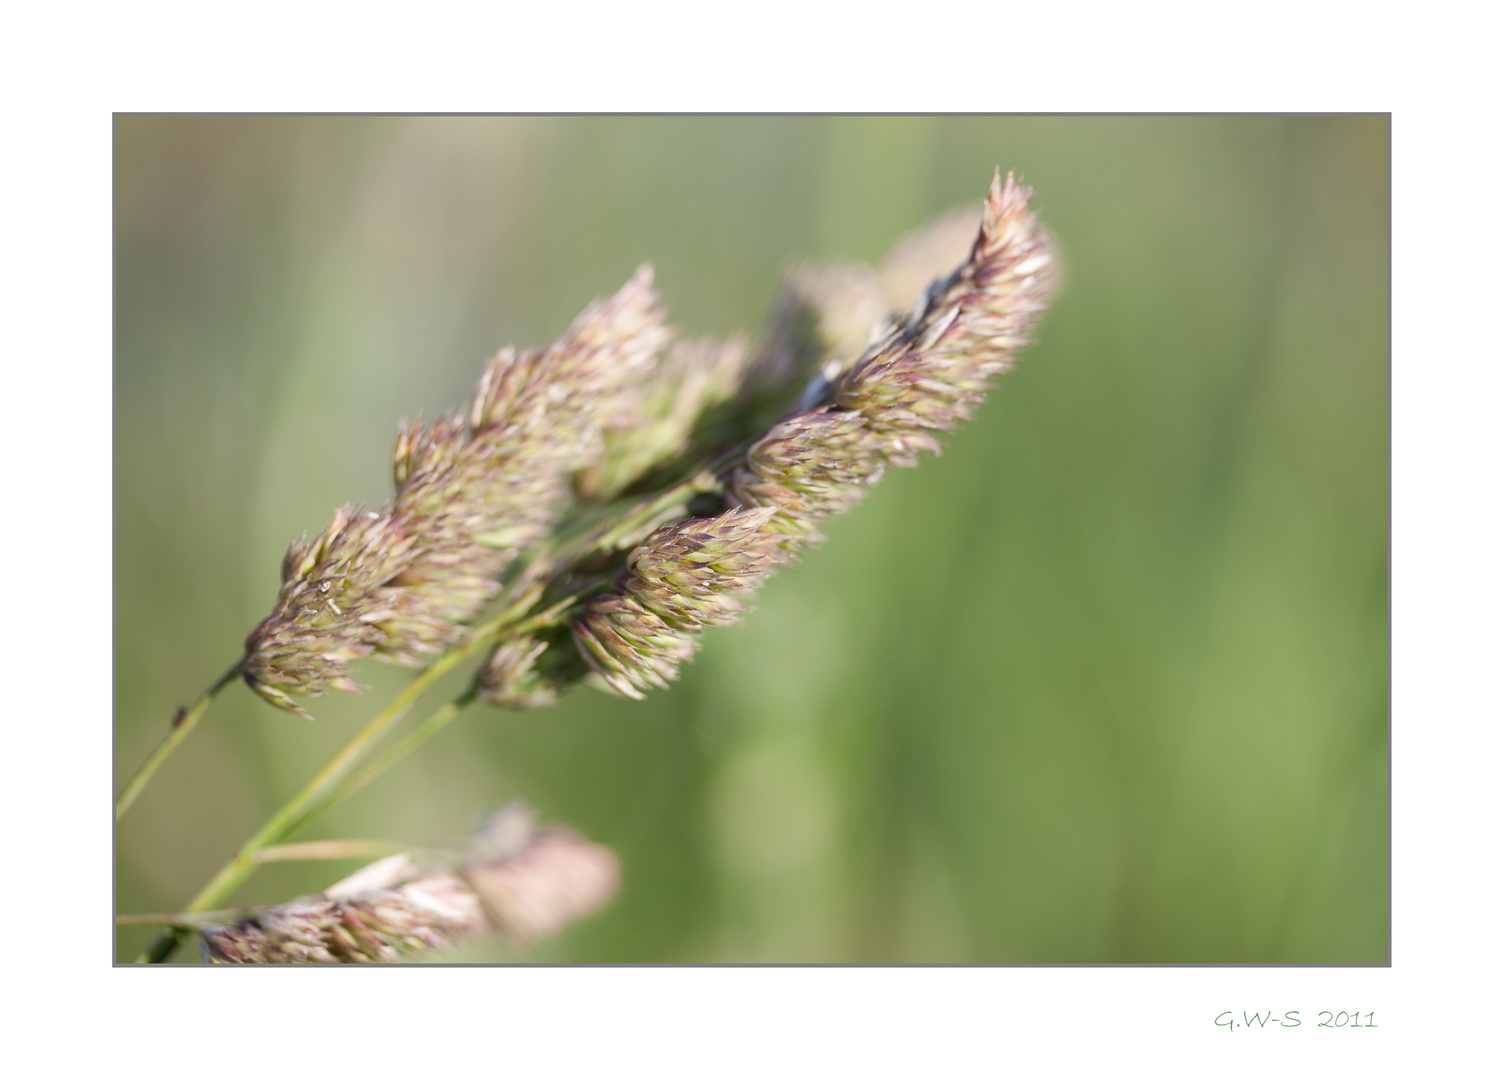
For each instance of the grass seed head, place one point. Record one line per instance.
(555, 879)
(602, 407)
(389, 911)
(511, 677)
(929, 372)
(631, 649)
(472, 492)
(525, 882)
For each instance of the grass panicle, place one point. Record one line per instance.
(524, 883)
(617, 493)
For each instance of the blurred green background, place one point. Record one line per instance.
(1107, 682)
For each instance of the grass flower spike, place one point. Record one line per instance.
(529, 887)
(388, 911)
(683, 578)
(922, 375)
(930, 371)
(551, 881)
(472, 492)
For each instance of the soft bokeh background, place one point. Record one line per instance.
(1107, 682)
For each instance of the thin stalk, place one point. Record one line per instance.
(704, 480)
(182, 724)
(315, 851)
(419, 735)
(187, 919)
(293, 812)
(424, 731)
(318, 850)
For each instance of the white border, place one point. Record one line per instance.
(70, 69)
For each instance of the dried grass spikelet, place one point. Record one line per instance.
(920, 377)
(524, 882)
(513, 677)
(693, 379)
(924, 374)
(683, 578)
(930, 371)
(555, 878)
(388, 911)
(471, 492)
(690, 573)
(811, 466)
(631, 650)
(826, 314)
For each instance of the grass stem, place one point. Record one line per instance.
(183, 723)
